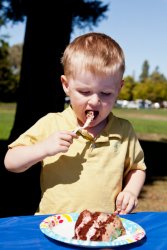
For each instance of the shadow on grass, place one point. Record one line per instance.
(20, 193)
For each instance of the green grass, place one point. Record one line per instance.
(6, 121)
(149, 126)
(145, 121)
(124, 111)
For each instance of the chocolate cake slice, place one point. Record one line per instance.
(98, 226)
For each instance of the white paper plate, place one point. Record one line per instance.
(60, 227)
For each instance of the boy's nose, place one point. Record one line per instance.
(94, 100)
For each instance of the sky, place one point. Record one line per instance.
(139, 26)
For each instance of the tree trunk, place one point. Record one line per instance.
(40, 89)
(40, 92)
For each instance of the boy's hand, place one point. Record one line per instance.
(126, 201)
(58, 142)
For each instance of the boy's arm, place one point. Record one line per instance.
(20, 158)
(127, 199)
(134, 181)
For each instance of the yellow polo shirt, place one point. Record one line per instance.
(90, 175)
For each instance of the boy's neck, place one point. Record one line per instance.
(95, 131)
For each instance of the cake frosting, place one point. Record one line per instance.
(89, 118)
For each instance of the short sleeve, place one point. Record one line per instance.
(135, 154)
(38, 132)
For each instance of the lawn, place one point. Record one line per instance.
(146, 122)
(7, 113)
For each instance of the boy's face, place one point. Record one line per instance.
(89, 92)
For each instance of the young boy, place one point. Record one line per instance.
(100, 169)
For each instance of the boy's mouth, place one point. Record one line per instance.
(92, 113)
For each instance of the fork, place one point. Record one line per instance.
(89, 118)
(86, 124)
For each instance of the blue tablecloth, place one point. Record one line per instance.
(23, 232)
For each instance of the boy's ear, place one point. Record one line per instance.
(122, 83)
(65, 84)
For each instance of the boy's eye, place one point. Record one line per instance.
(107, 94)
(84, 92)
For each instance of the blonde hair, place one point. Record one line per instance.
(95, 52)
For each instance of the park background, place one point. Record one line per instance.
(139, 27)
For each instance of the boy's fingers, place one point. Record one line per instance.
(130, 206)
(119, 201)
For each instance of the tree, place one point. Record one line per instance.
(127, 89)
(144, 91)
(15, 55)
(145, 71)
(155, 92)
(8, 81)
(48, 30)
(156, 76)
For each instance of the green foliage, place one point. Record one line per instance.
(153, 87)
(127, 89)
(88, 13)
(15, 56)
(8, 80)
(157, 77)
(145, 71)
(155, 92)
(13, 10)
(85, 12)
